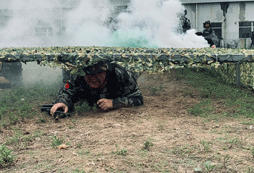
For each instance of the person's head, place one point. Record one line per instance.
(93, 69)
(96, 75)
(207, 24)
(96, 81)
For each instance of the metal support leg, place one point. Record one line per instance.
(238, 74)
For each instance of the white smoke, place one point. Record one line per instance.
(85, 25)
(150, 23)
(158, 20)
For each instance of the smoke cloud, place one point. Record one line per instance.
(32, 23)
(85, 23)
(154, 24)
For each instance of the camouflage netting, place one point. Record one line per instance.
(153, 60)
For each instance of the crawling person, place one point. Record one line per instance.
(106, 84)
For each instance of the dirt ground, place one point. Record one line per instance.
(113, 141)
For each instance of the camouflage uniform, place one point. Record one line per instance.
(121, 88)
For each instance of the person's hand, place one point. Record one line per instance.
(213, 46)
(105, 104)
(58, 105)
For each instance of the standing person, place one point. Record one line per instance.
(106, 84)
(209, 34)
(184, 23)
(252, 39)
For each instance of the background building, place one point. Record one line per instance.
(233, 20)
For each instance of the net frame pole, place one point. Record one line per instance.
(238, 74)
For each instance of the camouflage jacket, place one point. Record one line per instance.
(121, 88)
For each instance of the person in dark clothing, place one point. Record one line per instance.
(108, 85)
(252, 39)
(209, 34)
(210, 41)
(184, 22)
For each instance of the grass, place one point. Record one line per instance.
(16, 139)
(84, 107)
(147, 145)
(206, 145)
(19, 104)
(213, 88)
(56, 141)
(122, 152)
(20, 141)
(208, 166)
(183, 151)
(6, 158)
(22, 103)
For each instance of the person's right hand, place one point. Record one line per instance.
(58, 105)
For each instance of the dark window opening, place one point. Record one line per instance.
(245, 29)
(245, 24)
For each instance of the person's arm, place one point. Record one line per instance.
(199, 33)
(210, 41)
(67, 94)
(131, 94)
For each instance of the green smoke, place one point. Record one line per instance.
(130, 38)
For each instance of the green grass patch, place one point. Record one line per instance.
(147, 145)
(212, 86)
(24, 101)
(6, 158)
(202, 108)
(183, 151)
(84, 107)
(122, 152)
(56, 141)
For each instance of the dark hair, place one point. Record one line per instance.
(208, 21)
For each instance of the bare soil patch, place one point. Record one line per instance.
(113, 141)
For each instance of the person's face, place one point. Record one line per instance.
(207, 25)
(96, 80)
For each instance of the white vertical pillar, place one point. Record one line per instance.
(196, 20)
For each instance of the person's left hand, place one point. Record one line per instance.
(105, 104)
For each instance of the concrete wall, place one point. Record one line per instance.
(249, 13)
(231, 24)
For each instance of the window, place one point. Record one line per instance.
(245, 29)
(216, 26)
(217, 29)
